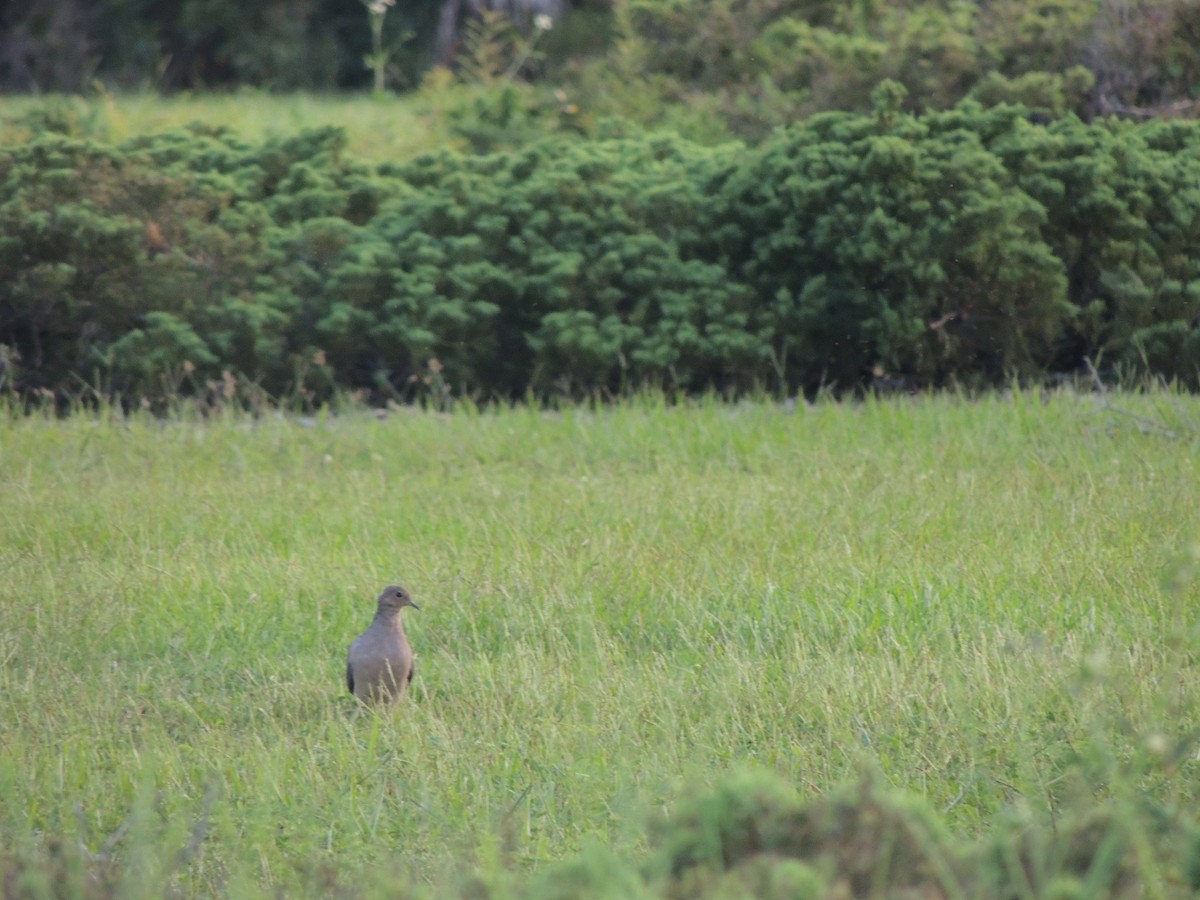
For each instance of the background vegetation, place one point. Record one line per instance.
(849, 250)
(595, 198)
(749, 64)
(989, 604)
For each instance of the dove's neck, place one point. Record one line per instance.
(390, 618)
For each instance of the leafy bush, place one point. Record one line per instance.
(965, 245)
(895, 244)
(1120, 203)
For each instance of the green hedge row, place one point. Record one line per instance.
(967, 245)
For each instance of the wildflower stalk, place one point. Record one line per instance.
(377, 59)
(541, 24)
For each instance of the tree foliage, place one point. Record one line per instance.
(749, 64)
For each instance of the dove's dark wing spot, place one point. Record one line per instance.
(412, 667)
(350, 677)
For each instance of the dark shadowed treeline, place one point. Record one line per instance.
(970, 246)
(748, 64)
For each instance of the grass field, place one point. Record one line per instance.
(616, 603)
(378, 129)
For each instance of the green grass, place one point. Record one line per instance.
(616, 602)
(378, 129)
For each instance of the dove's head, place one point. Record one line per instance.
(394, 598)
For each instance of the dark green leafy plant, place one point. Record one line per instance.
(970, 246)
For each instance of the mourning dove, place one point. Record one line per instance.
(380, 663)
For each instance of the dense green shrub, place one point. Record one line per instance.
(969, 245)
(140, 261)
(559, 265)
(895, 245)
(1122, 214)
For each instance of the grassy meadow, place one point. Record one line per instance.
(378, 129)
(985, 601)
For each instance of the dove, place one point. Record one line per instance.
(379, 666)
